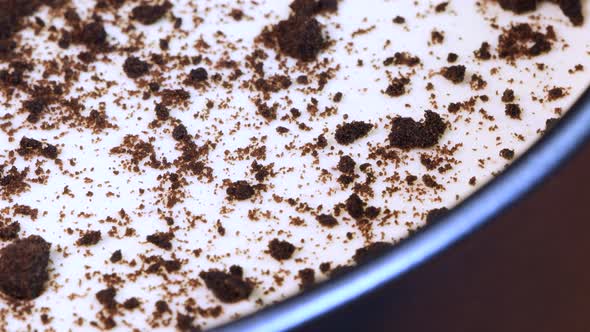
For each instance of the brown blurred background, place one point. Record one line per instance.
(529, 270)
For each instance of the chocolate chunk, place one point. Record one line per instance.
(550, 123)
(555, 93)
(162, 306)
(430, 181)
(483, 53)
(407, 133)
(161, 240)
(10, 231)
(349, 132)
(452, 57)
(307, 278)
(131, 303)
(313, 7)
(93, 34)
(180, 133)
(236, 270)
(371, 251)
(227, 287)
(340, 270)
(327, 220)
(185, 323)
(89, 238)
(162, 112)
(346, 165)
(441, 7)
(135, 68)
(455, 74)
(399, 20)
(49, 151)
(397, 87)
(150, 14)
(240, 190)
(518, 6)
(571, 8)
(30, 146)
(403, 58)
(355, 206)
(372, 212)
(435, 214)
(300, 37)
(23, 267)
(508, 96)
(513, 111)
(522, 41)
(106, 297)
(507, 154)
(198, 75)
(280, 250)
(437, 37)
(116, 256)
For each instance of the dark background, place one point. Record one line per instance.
(528, 270)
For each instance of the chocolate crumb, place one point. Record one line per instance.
(407, 133)
(135, 68)
(280, 250)
(399, 20)
(89, 238)
(435, 214)
(455, 74)
(300, 37)
(327, 220)
(371, 251)
(430, 181)
(185, 323)
(240, 190)
(346, 165)
(397, 87)
(23, 267)
(116, 256)
(437, 37)
(508, 96)
(355, 206)
(198, 75)
(513, 111)
(555, 93)
(307, 278)
(550, 123)
(131, 303)
(150, 14)
(507, 154)
(452, 57)
(106, 297)
(226, 287)
(162, 306)
(10, 231)
(570, 8)
(349, 132)
(483, 53)
(180, 133)
(161, 240)
(93, 35)
(441, 7)
(162, 112)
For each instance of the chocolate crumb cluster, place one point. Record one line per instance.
(171, 165)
